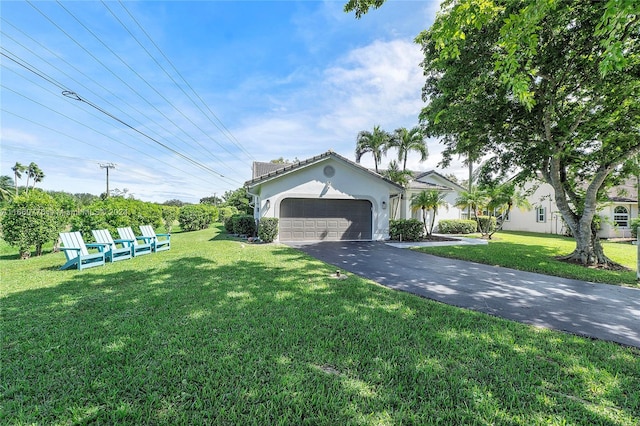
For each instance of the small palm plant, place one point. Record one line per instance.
(426, 201)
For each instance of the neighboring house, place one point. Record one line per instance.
(424, 182)
(324, 198)
(544, 216)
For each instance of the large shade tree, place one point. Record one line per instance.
(550, 88)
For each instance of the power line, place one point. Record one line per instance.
(133, 90)
(226, 131)
(173, 80)
(75, 96)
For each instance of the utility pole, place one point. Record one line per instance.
(107, 166)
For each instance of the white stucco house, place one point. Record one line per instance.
(329, 197)
(544, 216)
(426, 181)
(324, 198)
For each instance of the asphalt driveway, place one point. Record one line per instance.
(600, 311)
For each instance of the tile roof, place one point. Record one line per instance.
(285, 168)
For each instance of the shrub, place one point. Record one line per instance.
(457, 226)
(116, 212)
(487, 223)
(225, 213)
(406, 229)
(169, 216)
(634, 226)
(268, 229)
(194, 217)
(244, 224)
(32, 219)
(228, 223)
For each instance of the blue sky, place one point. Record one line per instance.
(208, 86)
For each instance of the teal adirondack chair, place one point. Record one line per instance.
(77, 252)
(131, 240)
(157, 243)
(112, 252)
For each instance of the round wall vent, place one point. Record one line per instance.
(329, 171)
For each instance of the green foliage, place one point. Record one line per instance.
(228, 223)
(457, 226)
(31, 219)
(169, 216)
(375, 142)
(635, 223)
(195, 217)
(406, 229)
(115, 212)
(213, 200)
(546, 87)
(268, 229)
(174, 202)
(226, 212)
(244, 225)
(487, 224)
(238, 199)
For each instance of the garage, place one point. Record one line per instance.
(312, 219)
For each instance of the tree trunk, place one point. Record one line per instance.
(424, 220)
(588, 251)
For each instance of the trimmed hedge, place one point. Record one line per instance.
(457, 226)
(244, 224)
(194, 217)
(268, 229)
(228, 223)
(406, 229)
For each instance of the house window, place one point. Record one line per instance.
(621, 217)
(541, 214)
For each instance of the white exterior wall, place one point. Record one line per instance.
(525, 220)
(310, 182)
(608, 229)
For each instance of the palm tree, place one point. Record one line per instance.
(401, 177)
(31, 171)
(374, 142)
(408, 140)
(429, 200)
(38, 176)
(6, 188)
(474, 200)
(502, 199)
(18, 169)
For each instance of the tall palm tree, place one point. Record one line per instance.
(38, 176)
(426, 201)
(6, 188)
(32, 169)
(374, 142)
(409, 140)
(18, 169)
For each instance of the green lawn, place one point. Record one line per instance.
(536, 253)
(216, 331)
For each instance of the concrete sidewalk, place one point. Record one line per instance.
(601, 311)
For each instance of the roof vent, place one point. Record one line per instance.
(329, 171)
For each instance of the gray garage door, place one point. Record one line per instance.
(303, 219)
